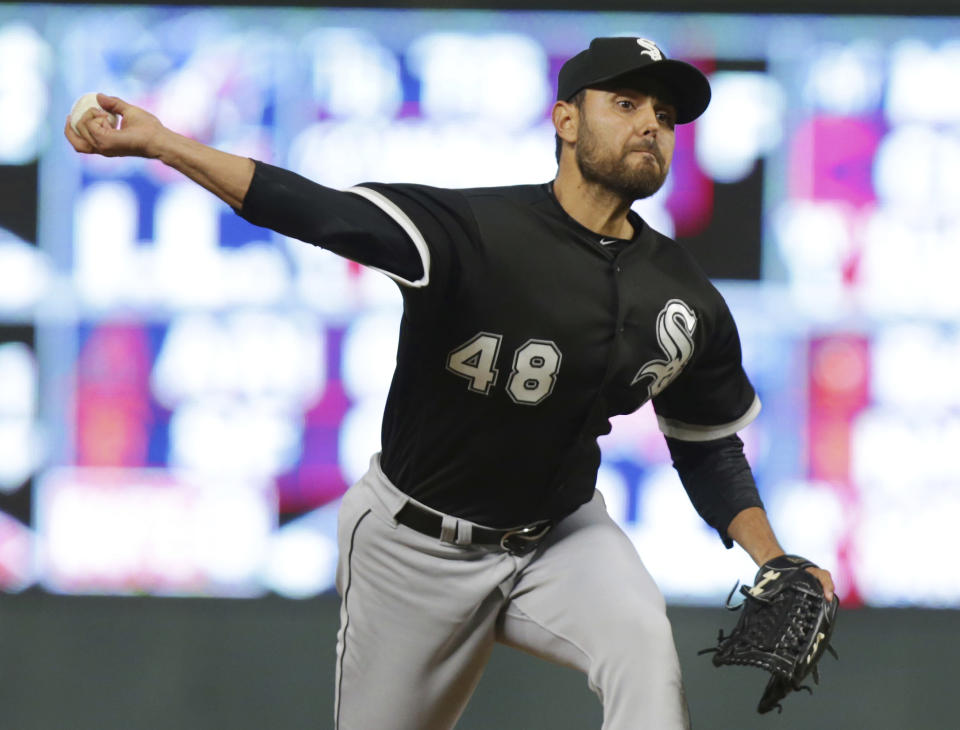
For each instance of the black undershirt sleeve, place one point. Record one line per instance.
(717, 479)
(342, 222)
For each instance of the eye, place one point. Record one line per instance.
(625, 104)
(665, 117)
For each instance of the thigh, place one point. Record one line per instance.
(416, 622)
(588, 602)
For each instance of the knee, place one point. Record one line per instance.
(637, 676)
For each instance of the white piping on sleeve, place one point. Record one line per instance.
(408, 226)
(691, 432)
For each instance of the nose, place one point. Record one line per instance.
(646, 119)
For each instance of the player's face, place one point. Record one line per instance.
(625, 141)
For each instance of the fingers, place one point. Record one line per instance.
(113, 104)
(132, 138)
(83, 126)
(79, 142)
(94, 134)
(73, 138)
(826, 580)
(89, 125)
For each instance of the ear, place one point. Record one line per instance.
(566, 120)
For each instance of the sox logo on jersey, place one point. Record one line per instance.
(675, 325)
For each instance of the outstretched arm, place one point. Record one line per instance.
(142, 135)
(267, 196)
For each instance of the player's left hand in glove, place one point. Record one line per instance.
(785, 628)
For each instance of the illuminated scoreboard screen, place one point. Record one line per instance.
(184, 397)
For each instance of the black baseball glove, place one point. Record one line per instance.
(785, 628)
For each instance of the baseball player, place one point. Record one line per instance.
(532, 314)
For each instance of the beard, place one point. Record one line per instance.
(630, 182)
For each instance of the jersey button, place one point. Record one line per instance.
(619, 269)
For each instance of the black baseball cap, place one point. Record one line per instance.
(609, 58)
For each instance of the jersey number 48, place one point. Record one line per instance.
(535, 367)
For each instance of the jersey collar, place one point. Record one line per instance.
(635, 220)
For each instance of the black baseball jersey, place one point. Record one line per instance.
(522, 334)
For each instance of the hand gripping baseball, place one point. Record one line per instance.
(136, 137)
(785, 627)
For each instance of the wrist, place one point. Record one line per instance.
(766, 556)
(753, 533)
(163, 145)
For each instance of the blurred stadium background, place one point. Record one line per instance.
(184, 397)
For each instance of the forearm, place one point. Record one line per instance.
(752, 531)
(717, 479)
(225, 175)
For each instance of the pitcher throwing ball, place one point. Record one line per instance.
(532, 314)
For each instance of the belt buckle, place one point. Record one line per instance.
(524, 539)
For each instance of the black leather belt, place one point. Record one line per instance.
(515, 540)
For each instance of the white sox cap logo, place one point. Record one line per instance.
(650, 49)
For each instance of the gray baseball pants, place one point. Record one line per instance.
(419, 617)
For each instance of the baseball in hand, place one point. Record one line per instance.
(88, 101)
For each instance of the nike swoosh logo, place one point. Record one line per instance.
(608, 240)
